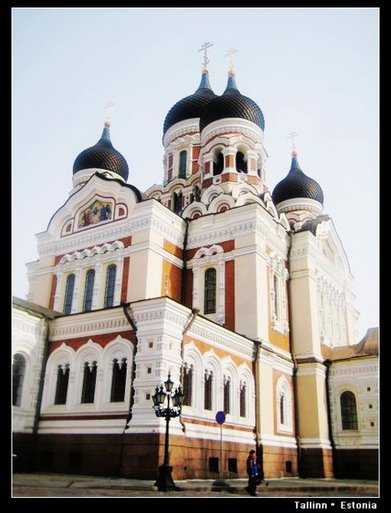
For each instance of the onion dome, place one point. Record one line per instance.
(297, 185)
(190, 106)
(232, 104)
(102, 156)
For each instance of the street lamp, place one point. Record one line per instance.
(164, 481)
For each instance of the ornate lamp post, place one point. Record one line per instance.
(164, 481)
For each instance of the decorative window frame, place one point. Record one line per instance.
(211, 363)
(192, 356)
(279, 276)
(90, 352)
(204, 259)
(118, 348)
(283, 389)
(64, 355)
(355, 392)
(230, 371)
(26, 380)
(79, 263)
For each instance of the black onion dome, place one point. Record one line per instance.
(102, 156)
(297, 185)
(232, 104)
(191, 106)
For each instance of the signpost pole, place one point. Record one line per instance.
(221, 453)
(220, 419)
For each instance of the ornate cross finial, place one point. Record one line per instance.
(204, 48)
(108, 113)
(229, 54)
(292, 136)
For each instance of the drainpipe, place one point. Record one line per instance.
(45, 356)
(296, 415)
(328, 406)
(183, 291)
(125, 307)
(257, 347)
(194, 313)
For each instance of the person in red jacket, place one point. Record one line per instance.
(252, 471)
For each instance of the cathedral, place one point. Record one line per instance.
(241, 294)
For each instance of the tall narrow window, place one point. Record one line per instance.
(241, 164)
(182, 164)
(282, 408)
(219, 165)
(187, 384)
(197, 192)
(62, 384)
(18, 373)
(227, 395)
(177, 202)
(243, 399)
(68, 298)
(276, 297)
(110, 285)
(118, 383)
(210, 291)
(169, 167)
(208, 390)
(349, 411)
(89, 382)
(89, 290)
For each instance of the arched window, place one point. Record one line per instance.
(62, 384)
(348, 411)
(118, 383)
(177, 202)
(210, 291)
(68, 298)
(89, 290)
(282, 407)
(242, 399)
(219, 165)
(18, 373)
(110, 285)
(208, 380)
(188, 384)
(89, 382)
(227, 395)
(197, 193)
(182, 164)
(240, 163)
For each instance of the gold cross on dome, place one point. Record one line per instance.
(204, 48)
(108, 111)
(229, 54)
(292, 136)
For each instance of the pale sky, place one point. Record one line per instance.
(311, 70)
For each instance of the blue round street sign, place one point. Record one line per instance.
(220, 417)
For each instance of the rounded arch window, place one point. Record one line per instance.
(240, 162)
(182, 171)
(218, 165)
(348, 411)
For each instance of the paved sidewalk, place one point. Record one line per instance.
(67, 485)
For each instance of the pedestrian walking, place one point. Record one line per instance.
(253, 472)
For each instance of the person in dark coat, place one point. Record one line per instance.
(252, 471)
